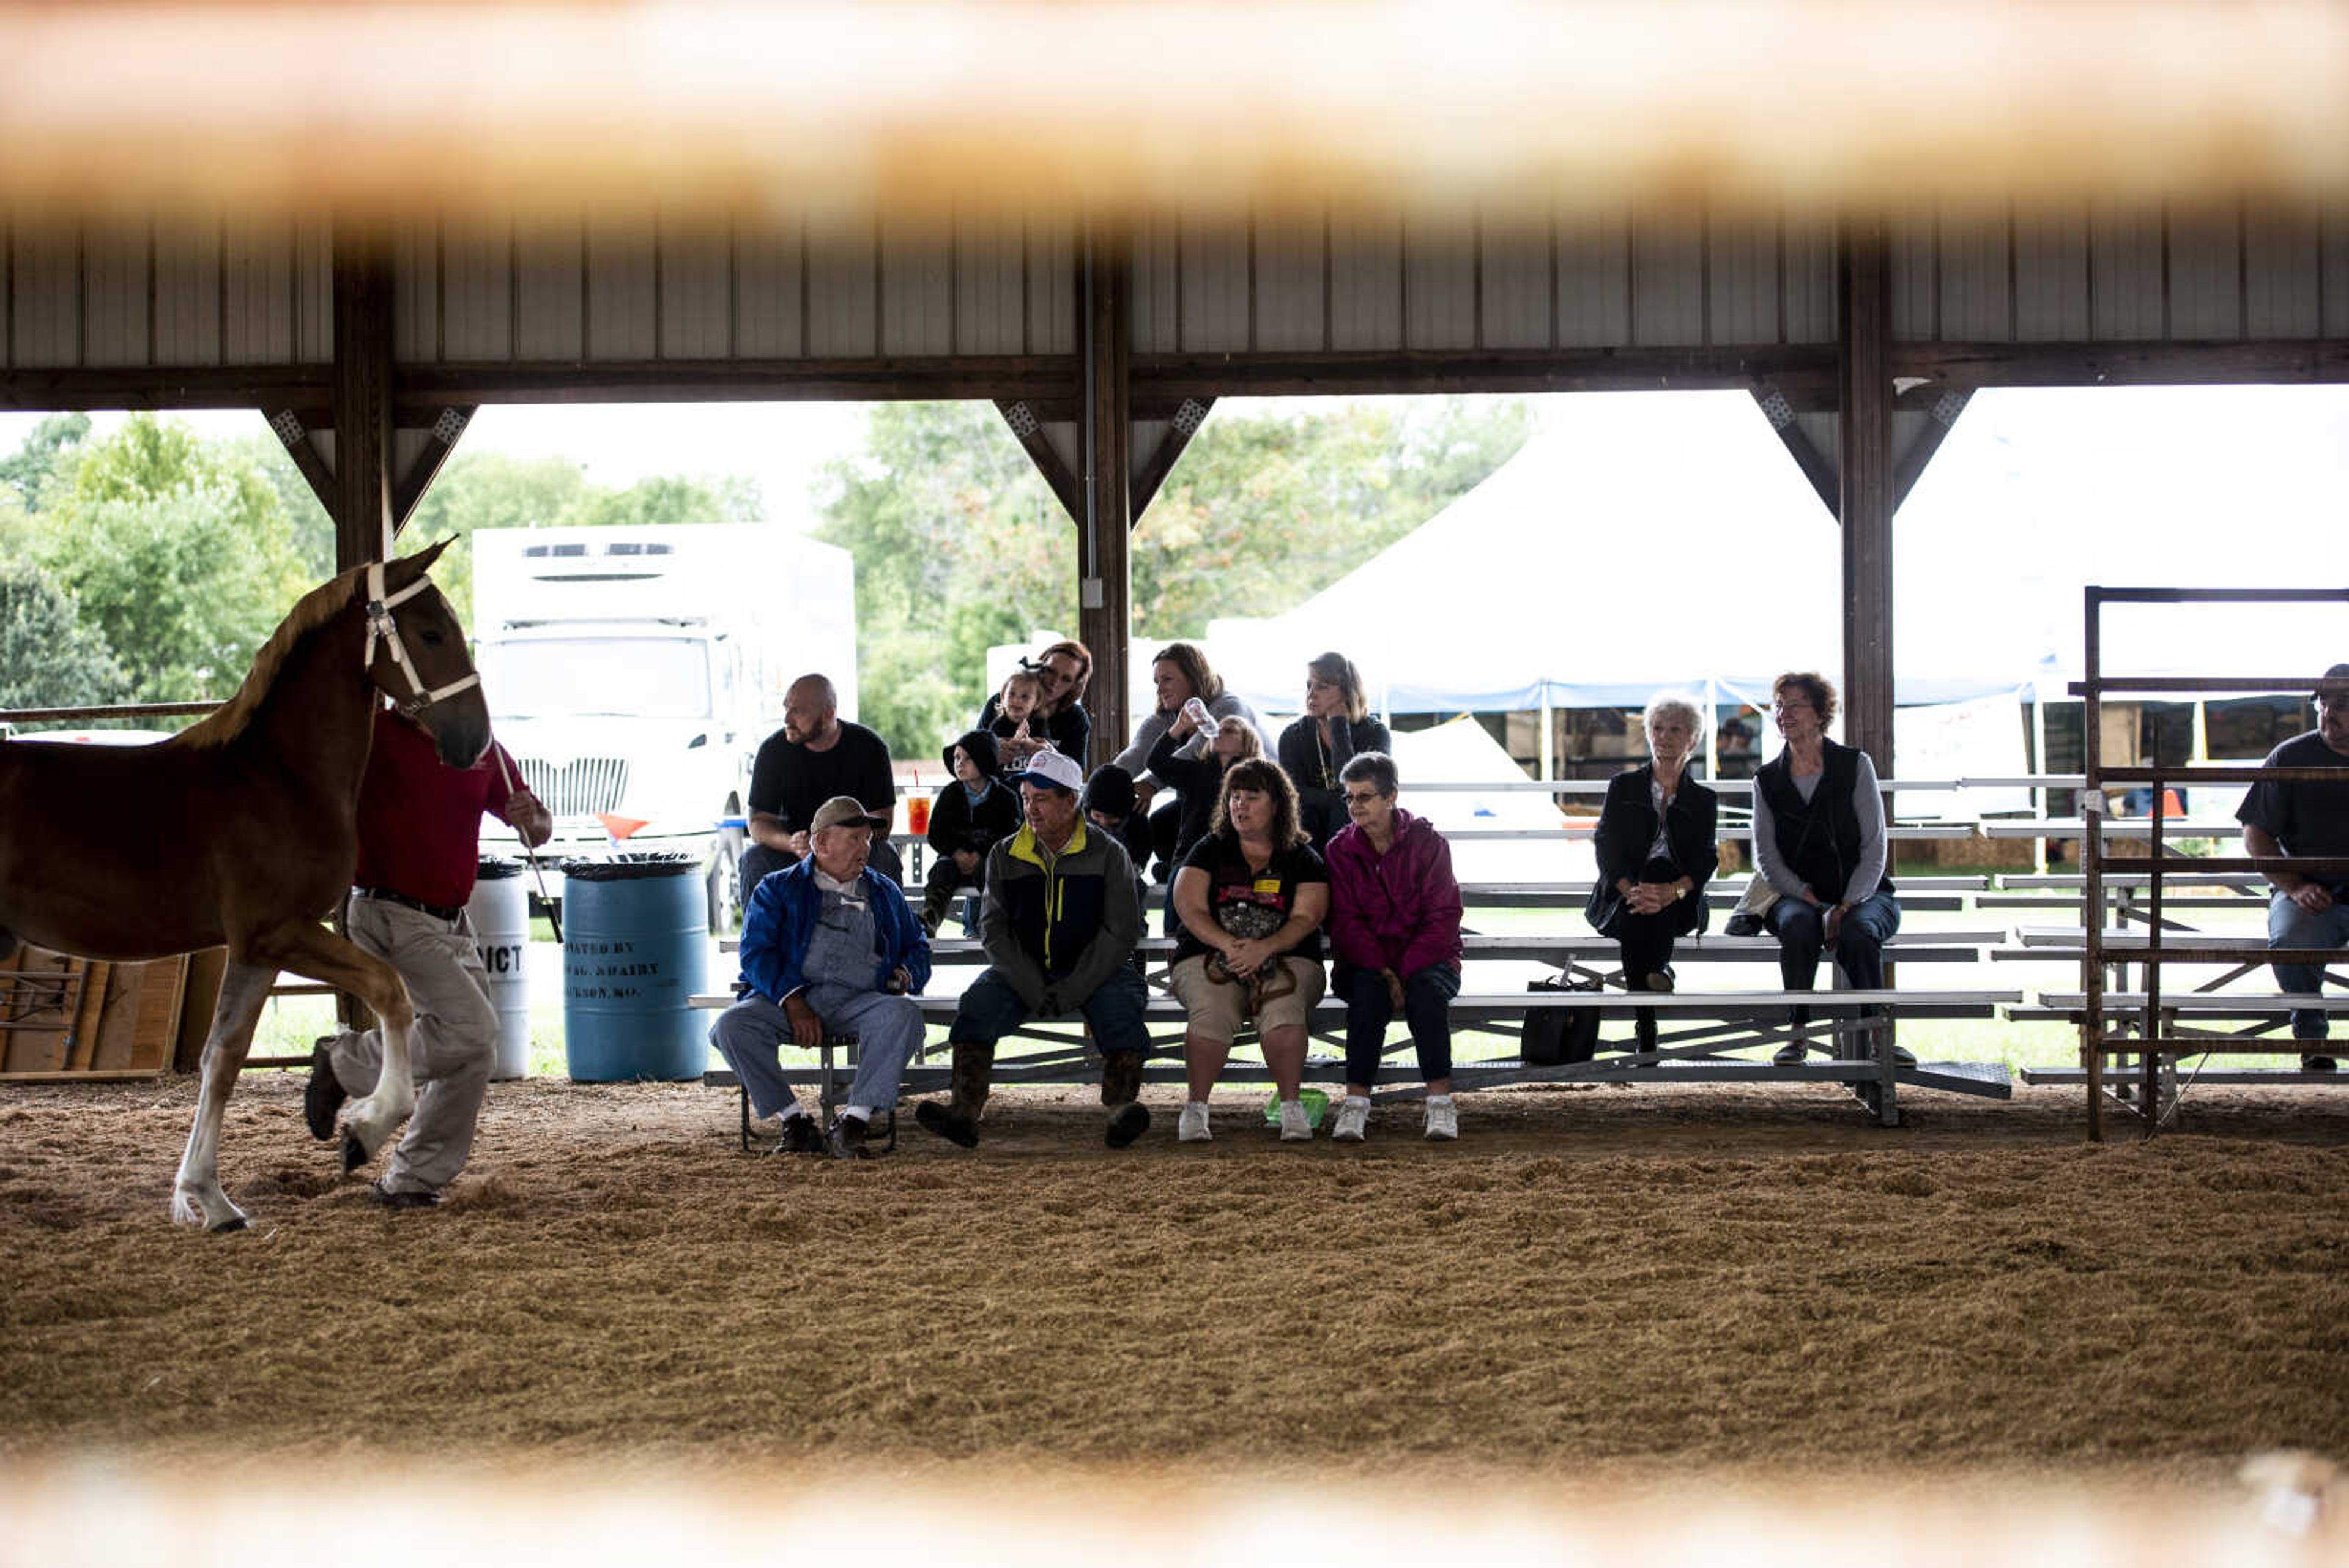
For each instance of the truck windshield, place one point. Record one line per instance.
(632, 677)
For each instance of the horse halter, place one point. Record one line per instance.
(382, 627)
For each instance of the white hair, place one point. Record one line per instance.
(1666, 702)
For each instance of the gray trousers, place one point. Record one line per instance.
(750, 1034)
(453, 1046)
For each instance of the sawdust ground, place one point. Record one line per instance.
(1602, 1282)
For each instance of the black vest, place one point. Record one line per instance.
(1818, 838)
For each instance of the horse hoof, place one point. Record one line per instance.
(235, 1222)
(354, 1153)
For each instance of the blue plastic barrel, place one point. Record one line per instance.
(636, 945)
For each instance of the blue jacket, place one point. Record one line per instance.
(781, 922)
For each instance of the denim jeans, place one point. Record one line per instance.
(1427, 996)
(990, 1008)
(1801, 929)
(2290, 926)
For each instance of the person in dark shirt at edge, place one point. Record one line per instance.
(817, 754)
(2309, 819)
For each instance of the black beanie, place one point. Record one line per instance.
(1109, 790)
(981, 747)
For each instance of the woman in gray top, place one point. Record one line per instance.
(1818, 838)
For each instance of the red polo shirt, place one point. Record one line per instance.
(421, 819)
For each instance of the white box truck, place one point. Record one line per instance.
(634, 671)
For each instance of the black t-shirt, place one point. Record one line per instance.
(1249, 903)
(790, 782)
(2305, 818)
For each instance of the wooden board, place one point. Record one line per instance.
(66, 1017)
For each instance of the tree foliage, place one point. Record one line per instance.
(50, 449)
(178, 553)
(1266, 509)
(960, 545)
(48, 657)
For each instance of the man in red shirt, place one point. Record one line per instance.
(419, 846)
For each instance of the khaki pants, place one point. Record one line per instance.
(453, 1046)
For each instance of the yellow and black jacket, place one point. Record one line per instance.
(1059, 923)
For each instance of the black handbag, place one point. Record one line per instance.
(1555, 1036)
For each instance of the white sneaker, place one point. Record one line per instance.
(1352, 1122)
(1295, 1126)
(1442, 1120)
(1192, 1126)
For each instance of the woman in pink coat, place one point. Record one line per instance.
(1394, 927)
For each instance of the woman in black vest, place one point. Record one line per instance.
(1818, 838)
(1655, 850)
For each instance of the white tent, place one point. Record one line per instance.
(1638, 541)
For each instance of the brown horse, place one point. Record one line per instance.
(242, 830)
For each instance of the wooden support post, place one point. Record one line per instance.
(1780, 412)
(362, 399)
(447, 426)
(1104, 585)
(287, 427)
(1028, 424)
(1151, 474)
(1940, 417)
(1865, 301)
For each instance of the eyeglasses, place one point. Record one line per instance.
(1363, 796)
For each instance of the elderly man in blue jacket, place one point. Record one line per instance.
(827, 945)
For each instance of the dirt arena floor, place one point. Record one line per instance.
(1591, 1284)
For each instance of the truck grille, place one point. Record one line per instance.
(578, 788)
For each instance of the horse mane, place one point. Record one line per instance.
(311, 611)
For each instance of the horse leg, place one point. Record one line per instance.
(318, 954)
(196, 1195)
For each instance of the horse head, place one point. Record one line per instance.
(417, 656)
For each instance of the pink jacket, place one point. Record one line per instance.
(1400, 910)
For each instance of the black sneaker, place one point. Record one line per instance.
(323, 1095)
(847, 1139)
(934, 1117)
(2319, 1064)
(800, 1136)
(1791, 1053)
(1127, 1123)
(399, 1197)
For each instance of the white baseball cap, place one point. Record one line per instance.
(1051, 770)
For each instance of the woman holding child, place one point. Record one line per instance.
(1054, 713)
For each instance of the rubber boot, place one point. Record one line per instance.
(1121, 1092)
(957, 1121)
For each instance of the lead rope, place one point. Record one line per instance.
(554, 916)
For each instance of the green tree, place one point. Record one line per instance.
(313, 526)
(1266, 509)
(179, 553)
(48, 657)
(960, 545)
(51, 448)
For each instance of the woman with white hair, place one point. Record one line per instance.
(1655, 848)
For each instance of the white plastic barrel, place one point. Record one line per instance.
(500, 912)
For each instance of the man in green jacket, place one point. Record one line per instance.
(1059, 920)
